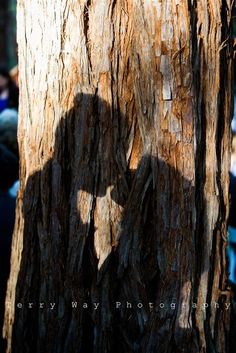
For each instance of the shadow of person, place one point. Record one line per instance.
(108, 236)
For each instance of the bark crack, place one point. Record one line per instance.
(86, 31)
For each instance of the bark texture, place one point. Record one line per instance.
(124, 140)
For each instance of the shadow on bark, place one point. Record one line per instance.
(99, 231)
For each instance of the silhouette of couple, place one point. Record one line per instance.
(105, 221)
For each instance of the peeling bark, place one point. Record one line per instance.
(124, 140)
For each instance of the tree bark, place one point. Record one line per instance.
(124, 137)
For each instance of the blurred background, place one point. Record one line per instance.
(8, 48)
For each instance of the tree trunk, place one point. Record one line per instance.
(124, 134)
